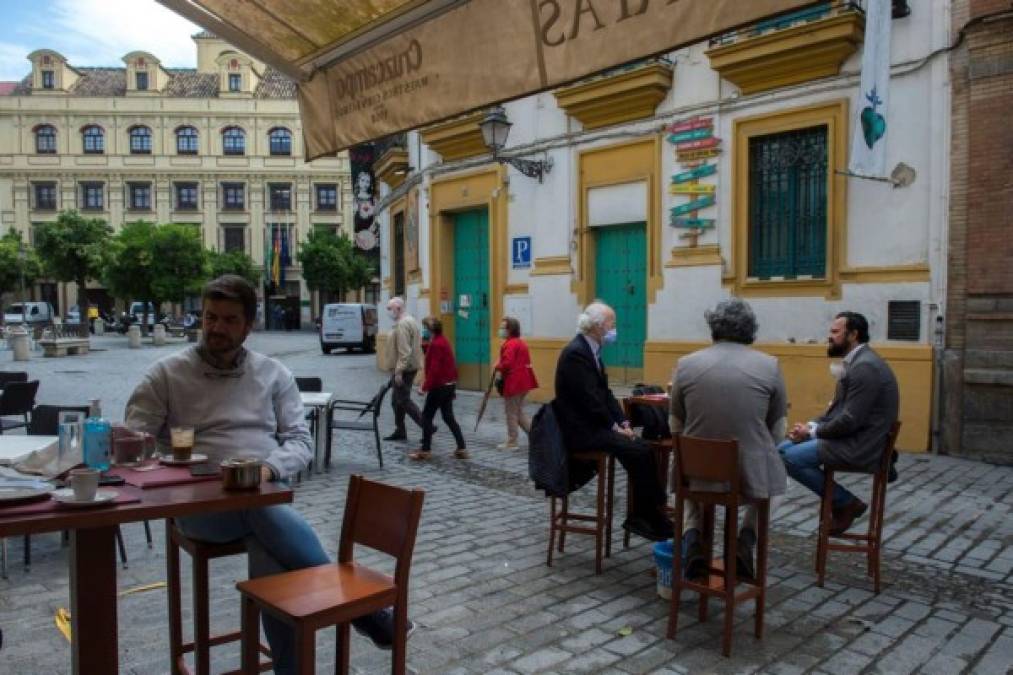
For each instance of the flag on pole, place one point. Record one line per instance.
(268, 246)
(285, 262)
(276, 255)
(868, 141)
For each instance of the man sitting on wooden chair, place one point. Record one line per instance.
(852, 431)
(726, 391)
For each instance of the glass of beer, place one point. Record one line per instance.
(182, 443)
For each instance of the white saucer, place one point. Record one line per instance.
(195, 458)
(66, 497)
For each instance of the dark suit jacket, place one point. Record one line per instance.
(865, 406)
(585, 407)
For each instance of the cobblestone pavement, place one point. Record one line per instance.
(485, 601)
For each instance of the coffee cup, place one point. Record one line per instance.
(84, 482)
(181, 439)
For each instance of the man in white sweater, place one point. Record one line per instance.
(242, 404)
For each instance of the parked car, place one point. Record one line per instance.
(137, 312)
(348, 325)
(35, 313)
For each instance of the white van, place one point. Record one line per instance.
(34, 313)
(137, 311)
(348, 326)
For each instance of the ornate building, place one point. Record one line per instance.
(219, 146)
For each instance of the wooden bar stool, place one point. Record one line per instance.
(872, 541)
(200, 554)
(602, 518)
(717, 461)
(381, 517)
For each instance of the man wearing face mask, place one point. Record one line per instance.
(856, 425)
(590, 418)
(404, 354)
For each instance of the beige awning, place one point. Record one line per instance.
(368, 68)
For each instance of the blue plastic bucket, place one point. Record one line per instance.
(663, 562)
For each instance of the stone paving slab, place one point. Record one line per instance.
(485, 602)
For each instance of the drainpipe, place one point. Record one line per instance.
(937, 387)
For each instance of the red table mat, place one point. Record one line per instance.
(163, 476)
(124, 496)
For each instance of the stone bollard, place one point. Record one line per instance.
(158, 335)
(134, 336)
(100, 327)
(18, 340)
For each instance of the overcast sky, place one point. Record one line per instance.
(92, 33)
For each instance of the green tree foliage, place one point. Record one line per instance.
(180, 263)
(129, 271)
(234, 262)
(11, 265)
(74, 248)
(331, 264)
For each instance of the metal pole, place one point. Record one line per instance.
(22, 255)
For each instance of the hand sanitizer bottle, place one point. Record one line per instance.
(97, 438)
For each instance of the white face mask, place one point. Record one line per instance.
(393, 314)
(503, 333)
(610, 336)
(836, 370)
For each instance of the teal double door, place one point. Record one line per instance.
(621, 281)
(472, 332)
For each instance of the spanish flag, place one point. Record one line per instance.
(276, 256)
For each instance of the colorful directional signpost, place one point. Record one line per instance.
(694, 143)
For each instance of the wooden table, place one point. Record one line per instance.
(92, 558)
(319, 400)
(13, 447)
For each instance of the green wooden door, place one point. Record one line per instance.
(621, 281)
(471, 298)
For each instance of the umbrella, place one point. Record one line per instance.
(485, 399)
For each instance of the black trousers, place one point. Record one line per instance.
(402, 403)
(442, 399)
(641, 466)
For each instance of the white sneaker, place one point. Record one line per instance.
(507, 445)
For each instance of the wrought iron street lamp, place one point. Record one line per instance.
(495, 130)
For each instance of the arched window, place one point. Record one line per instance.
(140, 140)
(280, 141)
(94, 139)
(186, 141)
(234, 141)
(45, 139)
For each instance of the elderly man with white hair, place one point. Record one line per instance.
(590, 418)
(404, 357)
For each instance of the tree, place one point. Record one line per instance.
(74, 248)
(180, 263)
(11, 265)
(234, 262)
(331, 264)
(129, 271)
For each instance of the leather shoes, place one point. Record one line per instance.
(744, 568)
(396, 436)
(642, 527)
(842, 518)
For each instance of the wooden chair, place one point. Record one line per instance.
(663, 456)
(200, 554)
(602, 518)
(371, 408)
(381, 517)
(17, 398)
(872, 541)
(717, 461)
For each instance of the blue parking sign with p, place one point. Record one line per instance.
(521, 252)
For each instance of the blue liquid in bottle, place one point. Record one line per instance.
(98, 434)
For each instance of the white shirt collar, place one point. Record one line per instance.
(853, 353)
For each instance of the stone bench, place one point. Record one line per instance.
(64, 346)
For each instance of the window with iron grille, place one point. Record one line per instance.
(235, 82)
(904, 320)
(233, 196)
(186, 141)
(280, 141)
(92, 196)
(141, 80)
(140, 141)
(45, 140)
(280, 196)
(234, 238)
(234, 141)
(788, 204)
(93, 139)
(186, 196)
(48, 79)
(45, 196)
(140, 196)
(327, 197)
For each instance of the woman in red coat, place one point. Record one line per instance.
(440, 385)
(518, 379)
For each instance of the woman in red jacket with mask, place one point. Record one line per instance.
(440, 386)
(518, 379)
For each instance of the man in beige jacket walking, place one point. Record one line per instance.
(404, 358)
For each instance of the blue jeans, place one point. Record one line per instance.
(802, 461)
(278, 539)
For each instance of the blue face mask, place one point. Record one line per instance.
(610, 336)
(425, 333)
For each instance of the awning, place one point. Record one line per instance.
(368, 68)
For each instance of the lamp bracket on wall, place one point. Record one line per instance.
(529, 167)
